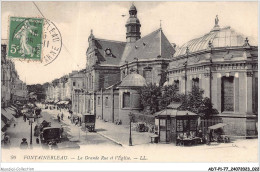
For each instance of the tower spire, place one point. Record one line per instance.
(133, 25)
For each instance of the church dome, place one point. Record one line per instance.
(218, 37)
(133, 80)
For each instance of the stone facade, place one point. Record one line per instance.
(12, 88)
(228, 75)
(221, 62)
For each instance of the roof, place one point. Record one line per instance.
(174, 105)
(152, 46)
(116, 48)
(7, 115)
(174, 113)
(78, 74)
(216, 126)
(221, 37)
(47, 128)
(114, 85)
(133, 80)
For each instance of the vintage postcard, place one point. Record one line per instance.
(139, 82)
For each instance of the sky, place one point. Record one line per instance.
(181, 22)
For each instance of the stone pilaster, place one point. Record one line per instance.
(236, 91)
(219, 76)
(206, 84)
(249, 97)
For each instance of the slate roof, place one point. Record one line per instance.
(116, 47)
(149, 47)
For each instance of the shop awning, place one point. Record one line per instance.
(174, 113)
(56, 101)
(2, 124)
(7, 115)
(216, 126)
(63, 103)
(13, 107)
(2, 135)
(66, 102)
(10, 111)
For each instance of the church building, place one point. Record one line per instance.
(221, 62)
(225, 65)
(139, 60)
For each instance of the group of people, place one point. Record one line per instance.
(60, 117)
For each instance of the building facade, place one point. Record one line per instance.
(221, 62)
(12, 88)
(225, 66)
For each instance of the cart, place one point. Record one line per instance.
(216, 134)
(89, 121)
(50, 134)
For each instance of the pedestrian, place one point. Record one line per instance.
(62, 116)
(24, 117)
(36, 132)
(24, 144)
(58, 117)
(14, 125)
(61, 131)
(37, 140)
(7, 142)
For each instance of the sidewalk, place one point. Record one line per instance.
(120, 133)
(21, 130)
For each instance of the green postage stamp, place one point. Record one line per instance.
(25, 38)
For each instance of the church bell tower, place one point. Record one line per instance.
(133, 26)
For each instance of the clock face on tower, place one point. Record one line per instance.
(108, 51)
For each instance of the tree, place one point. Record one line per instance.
(150, 97)
(169, 94)
(195, 102)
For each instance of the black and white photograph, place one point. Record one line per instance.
(129, 82)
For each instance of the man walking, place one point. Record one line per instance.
(58, 117)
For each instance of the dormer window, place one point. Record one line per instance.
(108, 52)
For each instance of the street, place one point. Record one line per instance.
(110, 137)
(74, 134)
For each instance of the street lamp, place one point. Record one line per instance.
(31, 119)
(130, 134)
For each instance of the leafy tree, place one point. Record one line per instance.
(150, 97)
(195, 102)
(169, 94)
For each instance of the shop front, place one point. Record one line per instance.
(179, 127)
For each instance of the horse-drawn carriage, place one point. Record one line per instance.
(39, 127)
(89, 121)
(50, 134)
